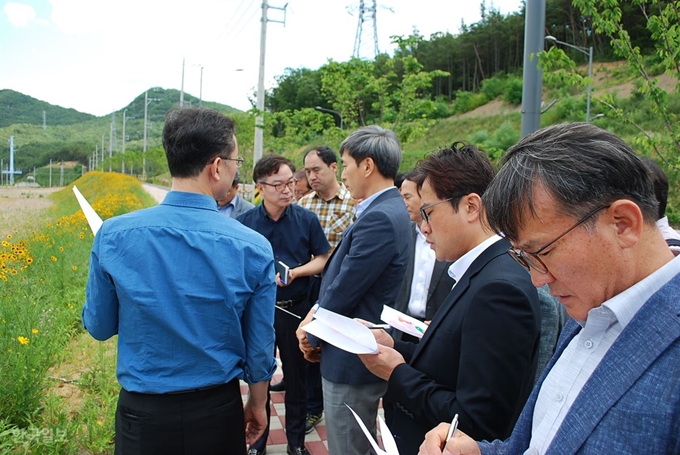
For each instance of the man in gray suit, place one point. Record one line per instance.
(427, 282)
(579, 208)
(233, 205)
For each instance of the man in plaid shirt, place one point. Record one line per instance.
(330, 200)
(334, 206)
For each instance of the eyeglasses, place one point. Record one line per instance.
(426, 216)
(238, 159)
(531, 260)
(280, 187)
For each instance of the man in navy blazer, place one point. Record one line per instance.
(363, 274)
(579, 208)
(478, 357)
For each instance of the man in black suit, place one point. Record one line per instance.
(427, 282)
(478, 357)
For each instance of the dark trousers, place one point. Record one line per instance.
(293, 365)
(207, 421)
(314, 389)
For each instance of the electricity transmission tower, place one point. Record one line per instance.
(364, 46)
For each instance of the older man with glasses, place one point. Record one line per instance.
(478, 357)
(579, 208)
(299, 242)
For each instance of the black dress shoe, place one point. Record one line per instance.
(297, 450)
(257, 452)
(278, 386)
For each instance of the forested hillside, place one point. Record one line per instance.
(16, 108)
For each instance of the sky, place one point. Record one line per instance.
(96, 56)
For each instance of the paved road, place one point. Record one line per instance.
(157, 192)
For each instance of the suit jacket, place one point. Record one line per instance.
(362, 275)
(240, 206)
(631, 403)
(477, 359)
(440, 283)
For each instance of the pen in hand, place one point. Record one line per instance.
(452, 429)
(378, 326)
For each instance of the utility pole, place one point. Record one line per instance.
(44, 120)
(50, 172)
(200, 92)
(181, 92)
(532, 84)
(259, 120)
(111, 142)
(103, 134)
(147, 100)
(11, 160)
(122, 166)
(61, 174)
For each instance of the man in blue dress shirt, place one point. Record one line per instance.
(191, 297)
(298, 241)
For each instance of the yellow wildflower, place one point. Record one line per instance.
(23, 340)
(75, 267)
(54, 259)
(34, 331)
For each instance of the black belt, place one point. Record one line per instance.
(289, 303)
(200, 389)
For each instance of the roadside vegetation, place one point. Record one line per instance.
(58, 386)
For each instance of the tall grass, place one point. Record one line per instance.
(43, 273)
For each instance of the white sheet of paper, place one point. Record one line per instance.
(385, 433)
(342, 332)
(403, 322)
(91, 216)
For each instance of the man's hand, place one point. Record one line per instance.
(254, 411)
(256, 421)
(381, 336)
(383, 363)
(311, 353)
(291, 277)
(459, 444)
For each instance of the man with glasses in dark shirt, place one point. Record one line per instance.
(299, 242)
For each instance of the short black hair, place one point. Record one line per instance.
(270, 164)
(193, 137)
(326, 154)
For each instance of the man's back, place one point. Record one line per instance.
(176, 284)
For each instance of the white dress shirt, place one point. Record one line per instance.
(423, 264)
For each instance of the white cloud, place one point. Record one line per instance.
(19, 14)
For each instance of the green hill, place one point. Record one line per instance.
(74, 136)
(17, 108)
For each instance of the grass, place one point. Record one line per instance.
(58, 385)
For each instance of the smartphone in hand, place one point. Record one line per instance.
(283, 271)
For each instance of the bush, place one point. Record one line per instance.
(513, 91)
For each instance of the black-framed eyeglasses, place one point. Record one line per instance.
(280, 187)
(426, 216)
(531, 260)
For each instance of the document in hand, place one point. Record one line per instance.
(91, 216)
(385, 434)
(403, 322)
(342, 332)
